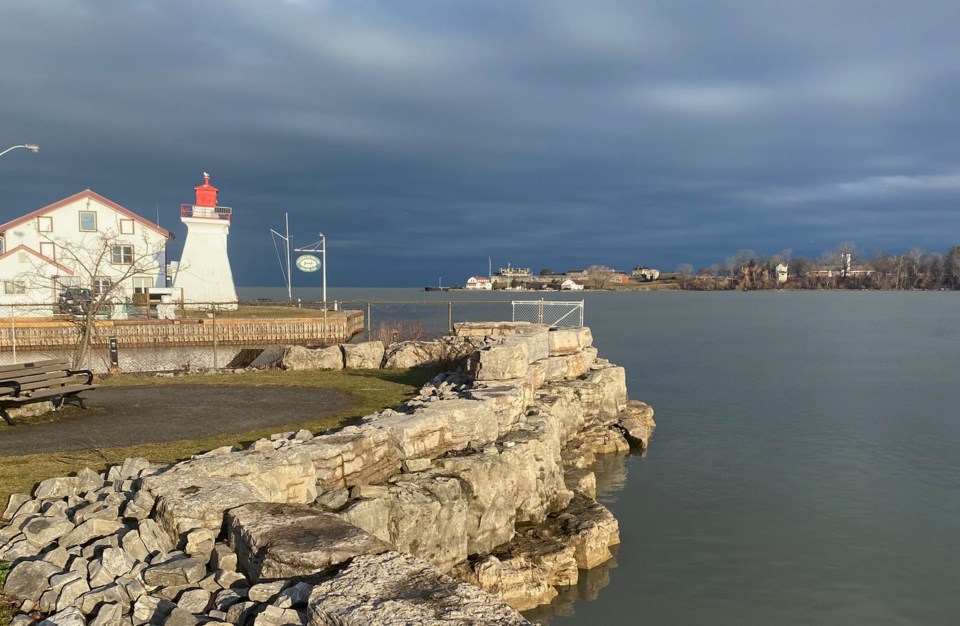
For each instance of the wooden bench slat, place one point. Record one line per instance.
(13, 369)
(63, 382)
(48, 393)
(39, 376)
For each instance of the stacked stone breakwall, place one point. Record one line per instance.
(466, 503)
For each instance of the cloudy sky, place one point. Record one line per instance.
(423, 137)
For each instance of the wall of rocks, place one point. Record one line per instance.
(463, 505)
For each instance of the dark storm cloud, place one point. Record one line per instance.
(423, 137)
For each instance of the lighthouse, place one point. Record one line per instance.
(204, 273)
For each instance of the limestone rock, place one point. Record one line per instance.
(520, 583)
(108, 614)
(276, 616)
(90, 530)
(44, 530)
(636, 423)
(501, 362)
(88, 480)
(195, 494)
(395, 588)
(284, 541)
(70, 616)
(29, 579)
(174, 572)
(366, 355)
(494, 329)
(563, 341)
(300, 358)
(588, 527)
(56, 488)
(14, 503)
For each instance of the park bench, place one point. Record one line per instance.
(39, 381)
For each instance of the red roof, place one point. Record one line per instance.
(46, 259)
(87, 193)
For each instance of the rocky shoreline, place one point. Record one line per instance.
(464, 505)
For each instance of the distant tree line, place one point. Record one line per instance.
(841, 268)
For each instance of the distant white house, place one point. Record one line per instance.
(84, 241)
(782, 271)
(479, 283)
(645, 273)
(571, 285)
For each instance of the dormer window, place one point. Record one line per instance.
(88, 221)
(45, 224)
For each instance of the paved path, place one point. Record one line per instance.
(134, 415)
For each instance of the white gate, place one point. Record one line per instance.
(554, 314)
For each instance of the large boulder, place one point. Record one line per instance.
(300, 358)
(363, 356)
(354, 456)
(636, 423)
(445, 354)
(285, 540)
(395, 588)
(501, 362)
(194, 494)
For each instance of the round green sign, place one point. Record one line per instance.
(308, 263)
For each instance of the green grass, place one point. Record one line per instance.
(372, 390)
(267, 311)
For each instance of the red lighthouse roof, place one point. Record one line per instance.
(206, 193)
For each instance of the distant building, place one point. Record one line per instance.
(645, 273)
(571, 284)
(509, 275)
(479, 283)
(782, 271)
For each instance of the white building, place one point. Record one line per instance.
(782, 272)
(84, 241)
(204, 273)
(571, 285)
(479, 282)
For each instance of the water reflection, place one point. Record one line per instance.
(611, 474)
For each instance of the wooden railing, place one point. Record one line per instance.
(40, 334)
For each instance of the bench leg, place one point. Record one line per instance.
(64, 400)
(6, 416)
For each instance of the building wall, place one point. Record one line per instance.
(70, 246)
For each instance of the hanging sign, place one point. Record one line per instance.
(308, 263)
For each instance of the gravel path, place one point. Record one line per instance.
(134, 415)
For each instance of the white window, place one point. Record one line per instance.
(121, 255)
(101, 285)
(45, 224)
(14, 287)
(88, 221)
(48, 249)
(141, 284)
(126, 227)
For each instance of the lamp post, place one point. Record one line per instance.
(32, 147)
(323, 266)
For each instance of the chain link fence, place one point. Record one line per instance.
(212, 336)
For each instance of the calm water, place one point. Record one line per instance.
(804, 468)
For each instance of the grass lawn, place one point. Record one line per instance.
(373, 390)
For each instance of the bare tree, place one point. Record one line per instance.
(103, 269)
(684, 271)
(600, 276)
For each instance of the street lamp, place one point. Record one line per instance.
(32, 147)
(323, 266)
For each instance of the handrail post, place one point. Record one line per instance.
(450, 315)
(369, 335)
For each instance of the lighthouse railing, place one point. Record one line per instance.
(209, 212)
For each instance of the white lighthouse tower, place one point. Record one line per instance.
(204, 273)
